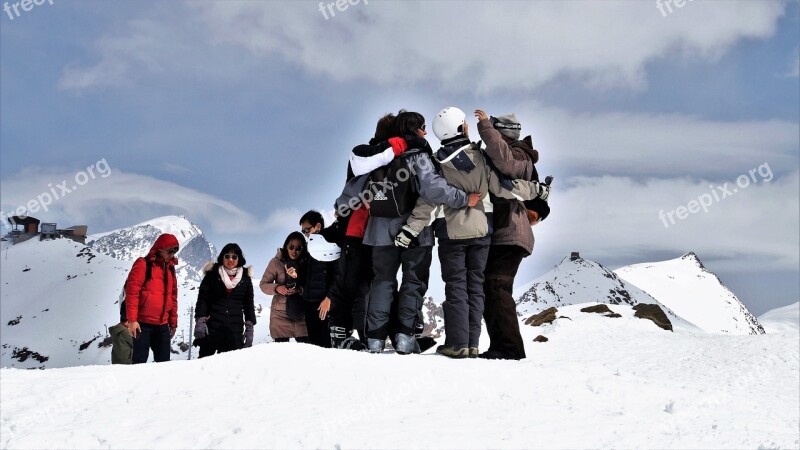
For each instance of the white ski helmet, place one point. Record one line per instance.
(322, 250)
(447, 122)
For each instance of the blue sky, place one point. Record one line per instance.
(240, 115)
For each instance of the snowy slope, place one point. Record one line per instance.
(58, 297)
(694, 293)
(597, 383)
(782, 320)
(577, 281)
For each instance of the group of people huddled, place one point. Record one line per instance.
(337, 286)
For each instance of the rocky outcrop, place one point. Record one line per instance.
(654, 313)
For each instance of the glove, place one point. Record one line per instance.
(200, 328)
(415, 141)
(248, 334)
(543, 191)
(406, 238)
(398, 145)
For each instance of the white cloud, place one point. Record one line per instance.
(663, 145)
(483, 46)
(617, 219)
(120, 199)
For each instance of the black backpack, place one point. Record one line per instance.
(541, 207)
(392, 189)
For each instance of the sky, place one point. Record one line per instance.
(668, 129)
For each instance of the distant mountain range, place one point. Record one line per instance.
(58, 297)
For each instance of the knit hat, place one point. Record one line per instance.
(507, 125)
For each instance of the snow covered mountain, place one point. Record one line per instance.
(127, 244)
(694, 293)
(59, 297)
(577, 280)
(781, 320)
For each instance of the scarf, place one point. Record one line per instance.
(226, 275)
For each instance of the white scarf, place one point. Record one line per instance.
(226, 276)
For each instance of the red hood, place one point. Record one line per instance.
(164, 241)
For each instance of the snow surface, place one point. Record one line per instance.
(686, 287)
(782, 320)
(598, 383)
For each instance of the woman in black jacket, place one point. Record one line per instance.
(225, 313)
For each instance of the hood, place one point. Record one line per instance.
(116, 330)
(455, 154)
(163, 242)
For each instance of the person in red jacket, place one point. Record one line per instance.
(151, 300)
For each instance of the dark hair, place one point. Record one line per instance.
(294, 236)
(407, 123)
(384, 129)
(231, 248)
(312, 217)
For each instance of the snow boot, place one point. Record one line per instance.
(425, 342)
(473, 352)
(453, 351)
(406, 344)
(375, 345)
(341, 338)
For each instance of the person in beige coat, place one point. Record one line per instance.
(281, 281)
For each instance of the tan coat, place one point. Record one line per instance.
(280, 325)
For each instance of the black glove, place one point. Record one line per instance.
(415, 141)
(200, 328)
(248, 334)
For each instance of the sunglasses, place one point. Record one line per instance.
(233, 257)
(172, 250)
(422, 127)
(306, 230)
(299, 248)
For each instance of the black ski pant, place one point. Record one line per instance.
(500, 310)
(220, 340)
(386, 260)
(349, 294)
(463, 264)
(152, 337)
(318, 332)
(301, 340)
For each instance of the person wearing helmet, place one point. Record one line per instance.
(464, 234)
(319, 273)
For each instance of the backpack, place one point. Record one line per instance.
(537, 205)
(392, 188)
(148, 274)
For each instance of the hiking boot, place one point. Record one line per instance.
(496, 354)
(453, 351)
(375, 345)
(425, 343)
(406, 344)
(473, 352)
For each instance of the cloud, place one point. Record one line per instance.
(617, 219)
(117, 200)
(604, 44)
(655, 145)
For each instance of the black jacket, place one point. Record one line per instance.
(227, 311)
(318, 279)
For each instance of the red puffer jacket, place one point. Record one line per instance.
(154, 302)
